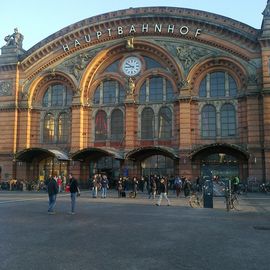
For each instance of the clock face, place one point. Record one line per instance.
(131, 66)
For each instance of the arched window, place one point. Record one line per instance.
(101, 126)
(218, 85)
(117, 125)
(109, 92)
(156, 90)
(142, 94)
(147, 124)
(208, 121)
(165, 123)
(228, 120)
(57, 95)
(48, 131)
(63, 128)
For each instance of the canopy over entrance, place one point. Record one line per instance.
(145, 152)
(225, 148)
(30, 153)
(96, 153)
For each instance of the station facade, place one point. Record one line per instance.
(155, 90)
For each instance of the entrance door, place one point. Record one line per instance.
(157, 164)
(220, 164)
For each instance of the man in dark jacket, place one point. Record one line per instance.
(52, 192)
(74, 191)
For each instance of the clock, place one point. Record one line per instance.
(131, 66)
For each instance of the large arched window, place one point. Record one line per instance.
(165, 123)
(117, 125)
(63, 128)
(147, 124)
(156, 90)
(101, 126)
(218, 85)
(109, 92)
(57, 95)
(48, 130)
(208, 121)
(228, 120)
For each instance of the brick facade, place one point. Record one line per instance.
(184, 46)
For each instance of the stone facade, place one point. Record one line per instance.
(181, 46)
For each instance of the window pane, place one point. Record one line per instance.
(228, 120)
(101, 126)
(48, 131)
(109, 92)
(232, 87)
(97, 96)
(169, 91)
(147, 124)
(63, 128)
(117, 125)
(121, 94)
(208, 121)
(202, 90)
(165, 123)
(142, 96)
(156, 89)
(217, 84)
(46, 99)
(57, 95)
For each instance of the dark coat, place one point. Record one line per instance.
(52, 187)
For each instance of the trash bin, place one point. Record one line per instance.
(208, 194)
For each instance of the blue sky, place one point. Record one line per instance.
(37, 20)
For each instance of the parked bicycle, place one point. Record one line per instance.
(196, 200)
(231, 200)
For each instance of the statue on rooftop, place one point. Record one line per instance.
(15, 39)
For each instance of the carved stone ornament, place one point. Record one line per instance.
(77, 64)
(5, 88)
(188, 55)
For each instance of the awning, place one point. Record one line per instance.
(94, 152)
(144, 152)
(30, 153)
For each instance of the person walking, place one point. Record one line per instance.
(74, 191)
(52, 189)
(163, 192)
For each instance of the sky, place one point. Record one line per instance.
(37, 20)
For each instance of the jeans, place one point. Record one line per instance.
(73, 201)
(52, 202)
(94, 192)
(104, 192)
(160, 198)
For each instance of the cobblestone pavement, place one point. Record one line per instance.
(127, 233)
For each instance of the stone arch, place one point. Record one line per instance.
(235, 69)
(113, 53)
(38, 87)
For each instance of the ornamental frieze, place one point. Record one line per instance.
(5, 88)
(187, 54)
(77, 64)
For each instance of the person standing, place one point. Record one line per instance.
(52, 189)
(104, 186)
(178, 186)
(163, 192)
(74, 191)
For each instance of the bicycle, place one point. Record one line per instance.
(232, 201)
(196, 200)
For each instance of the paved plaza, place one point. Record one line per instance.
(132, 234)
